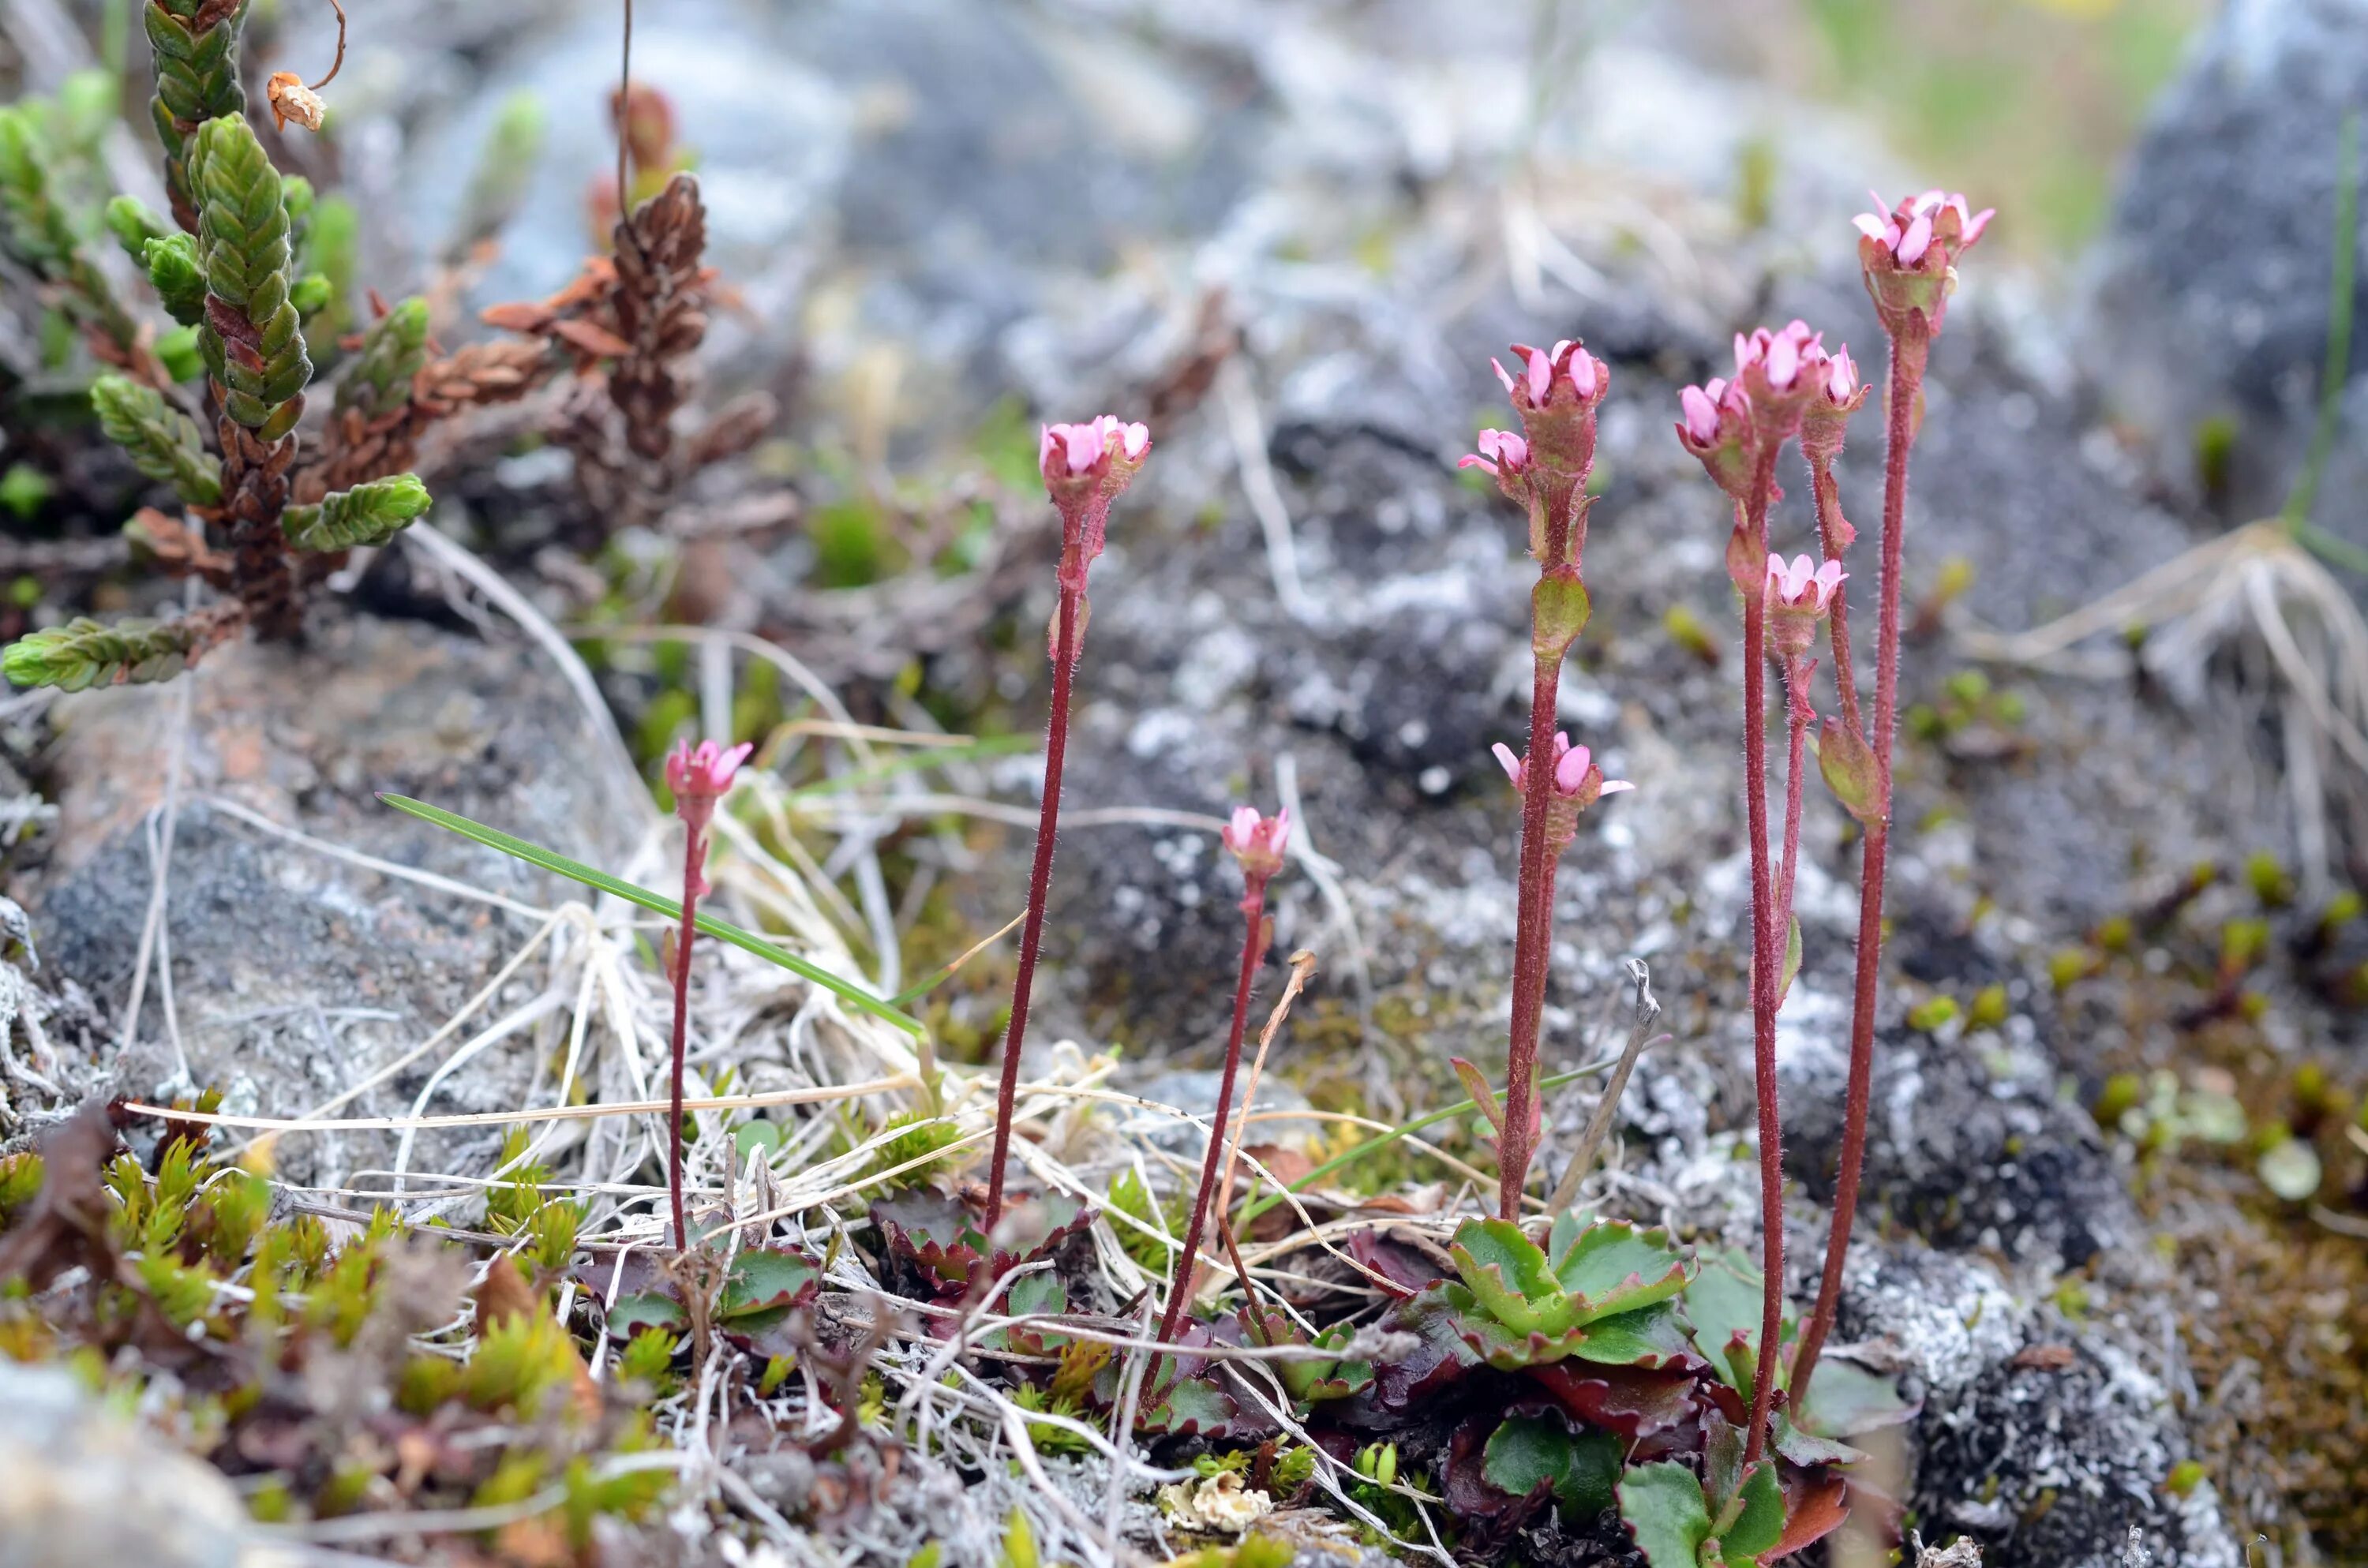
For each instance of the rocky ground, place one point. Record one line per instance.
(1293, 235)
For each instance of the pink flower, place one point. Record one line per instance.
(1575, 777)
(1804, 586)
(1716, 430)
(1103, 453)
(1568, 364)
(705, 773)
(1258, 842)
(1779, 354)
(699, 778)
(1497, 447)
(1841, 376)
(1700, 405)
(1908, 231)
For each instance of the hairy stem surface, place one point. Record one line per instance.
(1797, 717)
(693, 859)
(1040, 878)
(1533, 942)
(1180, 1292)
(1767, 956)
(1830, 527)
(1908, 358)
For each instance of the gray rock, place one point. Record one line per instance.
(294, 972)
(80, 1486)
(2211, 297)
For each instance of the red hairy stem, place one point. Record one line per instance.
(1534, 897)
(1040, 877)
(694, 862)
(1766, 955)
(1180, 1292)
(1907, 359)
(1830, 533)
(1533, 942)
(1797, 716)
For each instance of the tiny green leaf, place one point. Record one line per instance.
(1476, 1085)
(1649, 1336)
(370, 513)
(1851, 769)
(649, 1309)
(161, 442)
(763, 1278)
(173, 273)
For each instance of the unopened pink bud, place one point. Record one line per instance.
(1701, 414)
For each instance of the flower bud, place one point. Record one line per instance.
(1827, 412)
(1505, 459)
(1716, 428)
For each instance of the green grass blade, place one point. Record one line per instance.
(721, 930)
(1461, 1108)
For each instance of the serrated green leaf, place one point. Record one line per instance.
(1192, 1405)
(722, 931)
(1649, 1336)
(1506, 1272)
(1662, 1507)
(1614, 1267)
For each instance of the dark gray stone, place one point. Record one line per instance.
(2211, 294)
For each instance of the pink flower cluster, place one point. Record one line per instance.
(700, 777)
(1556, 394)
(1909, 256)
(1908, 231)
(1544, 373)
(1784, 382)
(1081, 449)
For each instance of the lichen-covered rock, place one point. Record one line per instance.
(297, 969)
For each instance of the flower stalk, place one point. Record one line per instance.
(1257, 843)
(1736, 429)
(1908, 257)
(698, 778)
(1545, 468)
(1085, 467)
